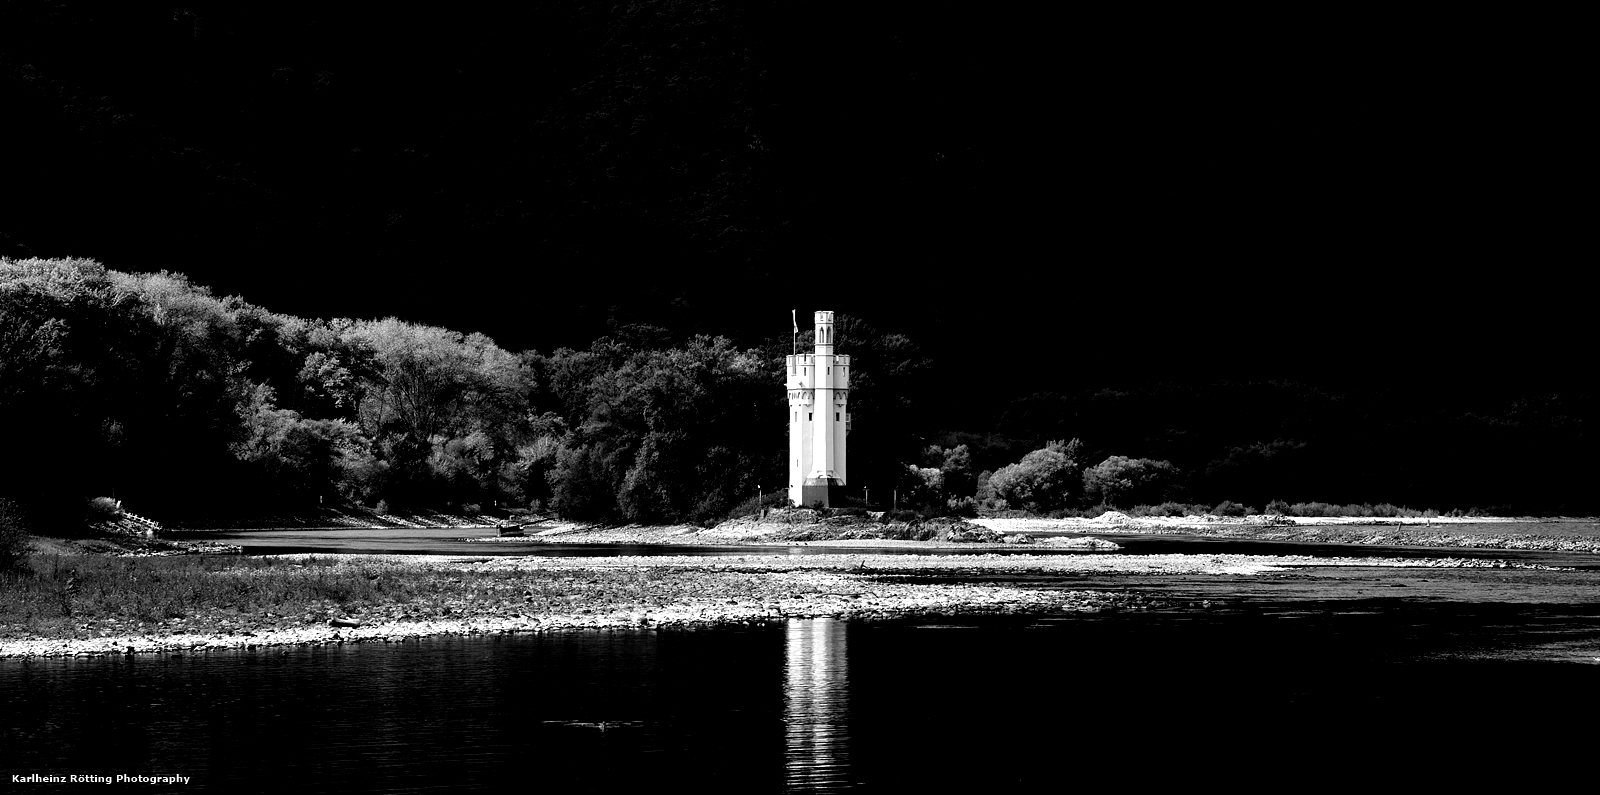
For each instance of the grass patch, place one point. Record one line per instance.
(1367, 510)
(88, 596)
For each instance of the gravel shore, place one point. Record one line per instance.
(747, 535)
(540, 594)
(1569, 535)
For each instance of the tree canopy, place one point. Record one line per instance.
(149, 387)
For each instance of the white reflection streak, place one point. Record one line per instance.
(816, 703)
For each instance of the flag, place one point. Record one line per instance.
(795, 319)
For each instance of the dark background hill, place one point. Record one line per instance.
(1049, 203)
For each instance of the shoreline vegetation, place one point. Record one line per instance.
(128, 384)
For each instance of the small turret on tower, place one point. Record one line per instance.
(819, 388)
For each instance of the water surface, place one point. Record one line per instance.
(1374, 694)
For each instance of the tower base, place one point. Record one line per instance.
(828, 491)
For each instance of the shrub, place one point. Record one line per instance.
(104, 509)
(985, 490)
(710, 510)
(921, 487)
(14, 543)
(1231, 508)
(903, 516)
(1078, 513)
(1006, 513)
(1312, 509)
(956, 469)
(1168, 508)
(773, 501)
(1277, 507)
(965, 507)
(1043, 480)
(1120, 480)
(920, 531)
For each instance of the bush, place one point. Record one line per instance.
(104, 509)
(903, 516)
(1168, 508)
(956, 469)
(965, 507)
(1231, 508)
(14, 543)
(1386, 510)
(1079, 513)
(1120, 480)
(1006, 513)
(920, 531)
(1312, 509)
(749, 507)
(1043, 480)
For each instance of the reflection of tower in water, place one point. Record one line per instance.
(816, 704)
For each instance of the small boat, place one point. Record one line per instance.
(510, 530)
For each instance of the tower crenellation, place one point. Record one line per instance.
(819, 420)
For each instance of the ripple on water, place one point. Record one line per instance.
(816, 705)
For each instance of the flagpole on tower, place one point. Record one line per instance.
(795, 319)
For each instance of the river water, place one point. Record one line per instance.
(1269, 688)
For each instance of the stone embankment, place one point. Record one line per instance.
(488, 596)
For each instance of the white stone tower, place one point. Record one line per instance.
(819, 384)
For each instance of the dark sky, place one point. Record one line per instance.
(1081, 196)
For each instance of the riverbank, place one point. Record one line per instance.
(805, 527)
(96, 606)
(1553, 535)
(782, 530)
(802, 527)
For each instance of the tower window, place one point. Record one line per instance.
(808, 416)
(836, 416)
